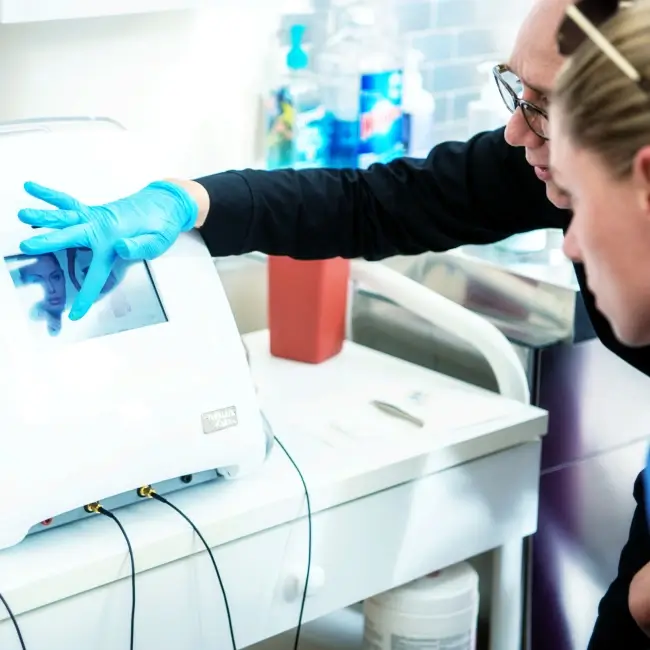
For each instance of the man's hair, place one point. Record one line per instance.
(605, 111)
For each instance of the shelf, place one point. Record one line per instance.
(342, 630)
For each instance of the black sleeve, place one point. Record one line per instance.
(473, 192)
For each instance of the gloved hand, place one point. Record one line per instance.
(139, 227)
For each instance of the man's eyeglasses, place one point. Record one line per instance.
(582, 21)
(536, 117)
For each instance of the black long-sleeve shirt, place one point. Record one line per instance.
(474, 192)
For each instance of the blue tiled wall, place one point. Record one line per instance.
(454, 36)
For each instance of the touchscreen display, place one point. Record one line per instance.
(48, 284)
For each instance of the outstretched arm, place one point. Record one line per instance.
(478, 192)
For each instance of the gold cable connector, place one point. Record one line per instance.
(146, 491)
(93, 507)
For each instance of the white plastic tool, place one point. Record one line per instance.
(452, 317)
(151, 385)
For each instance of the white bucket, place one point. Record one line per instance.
(437, 612)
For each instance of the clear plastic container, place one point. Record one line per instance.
(361, 71)
(297, 126)
(419, 107)
(489, 111)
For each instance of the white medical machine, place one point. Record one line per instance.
(151, 387)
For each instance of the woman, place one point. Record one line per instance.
(45, 271)
(600, 129)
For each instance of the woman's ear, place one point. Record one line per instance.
(641, 177)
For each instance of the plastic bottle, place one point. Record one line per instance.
(438, 611)
(489, 111)
(297, 127)
(361, 72)
(419, 107)
(485, 114)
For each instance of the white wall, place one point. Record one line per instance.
(192, 76)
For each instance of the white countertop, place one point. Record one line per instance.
(345, 449)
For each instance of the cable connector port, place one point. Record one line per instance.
(93, 507)
(146, 492)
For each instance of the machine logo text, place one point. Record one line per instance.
(219, 419)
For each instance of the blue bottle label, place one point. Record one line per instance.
(380, 118)
(311, 138)
(344, 144)
(280, 124)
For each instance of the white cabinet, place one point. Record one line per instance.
(24, 11)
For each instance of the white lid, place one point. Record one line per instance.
(442, 593)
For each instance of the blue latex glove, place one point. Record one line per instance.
(139, 227)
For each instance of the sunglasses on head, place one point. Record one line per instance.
(582, 21)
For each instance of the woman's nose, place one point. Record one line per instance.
(570, 247)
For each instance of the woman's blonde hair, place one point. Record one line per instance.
(603, 110)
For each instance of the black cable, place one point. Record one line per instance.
(149, 492)
(14, 621)
(309, 542)
(309, 525)
(110, 515)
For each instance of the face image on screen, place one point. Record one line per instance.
(48, 285)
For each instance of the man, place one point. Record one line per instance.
(493, 186)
